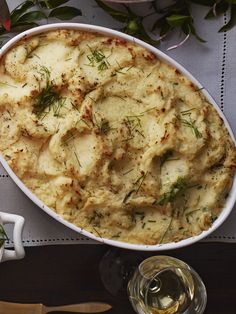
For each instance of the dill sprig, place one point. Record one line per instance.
(103, 66)
(167, 230)
(127, 196)
(187, 112)
(141, 113)
(47, 96)
(117, 235)
(104, 126)
(57, 106)
(138, 182)
(3, 236)
(190, 124)
(133, 124)
(128, 171)
(77, 158)
(137, 215)
(169, 197)
(97, 58)
(95, 218)
(203, 209)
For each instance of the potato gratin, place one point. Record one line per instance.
(113, 139)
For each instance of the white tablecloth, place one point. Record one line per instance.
(212, 63)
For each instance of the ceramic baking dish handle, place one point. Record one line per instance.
(18, 222)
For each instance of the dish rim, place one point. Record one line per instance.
(161, 55)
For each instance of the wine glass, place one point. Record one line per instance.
(154, 285)
(116, 268)
(166, 285)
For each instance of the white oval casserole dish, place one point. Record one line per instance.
(158, 247)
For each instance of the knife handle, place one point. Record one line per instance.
(87, 307)
(18, 308)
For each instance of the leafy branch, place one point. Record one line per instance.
(177, 14)
(30, 12)
(133, 23)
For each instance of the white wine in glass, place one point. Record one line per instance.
(166, 285)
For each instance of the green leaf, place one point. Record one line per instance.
(231, 1)
(177, 20)
(232, 21)
(190, 29)
(220, 8)
(159, 23)
(30, 17)
(144, 36)
(194, 33)
(21, 9)
(165, 29)
(117, 15)
(52, 4)
(65, 13)
(133, 27)
(208, 3)
(23, 26)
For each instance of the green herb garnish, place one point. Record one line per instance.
(128, 171)
(170, 196)
(47, 97)
(137, 215)
(77, 158)
(97, 58)
(117, 235)
(103, 66)
(204, 209)
(104, 126)
(95, 218)
(167, 229)
(57, 107)
(133, 124)
(190, 124)
(140, 181)
(127, 196)
(187, 112)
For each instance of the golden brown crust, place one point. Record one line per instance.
(111, 138)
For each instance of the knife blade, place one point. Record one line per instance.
(86, 307)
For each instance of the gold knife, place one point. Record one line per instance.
(18, 308)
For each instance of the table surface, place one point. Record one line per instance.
(65, 274)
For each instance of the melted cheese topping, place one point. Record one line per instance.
(111, 138)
